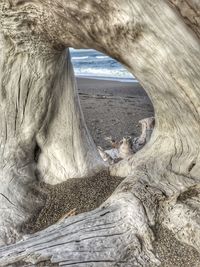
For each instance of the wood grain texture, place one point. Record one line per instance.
(40, 113)
(190, 12)
(161, 187)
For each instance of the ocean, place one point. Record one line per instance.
(90, 63)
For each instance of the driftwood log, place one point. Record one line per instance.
(43, 136)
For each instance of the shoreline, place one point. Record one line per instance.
(107, 78)
(115, 88)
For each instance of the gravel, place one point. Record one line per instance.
(82, 194)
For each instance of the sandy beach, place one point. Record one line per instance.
(113, 108)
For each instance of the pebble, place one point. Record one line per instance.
(82, 194)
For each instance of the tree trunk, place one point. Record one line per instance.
(43, 135)
(161, 189)
(68, 150)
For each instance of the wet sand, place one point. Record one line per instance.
(113, 108)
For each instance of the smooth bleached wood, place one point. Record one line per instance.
(43, 135)
(68, 150)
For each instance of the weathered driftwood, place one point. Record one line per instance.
(126, 147)
(121, 150)
(189, 10)
(108, 156)
(162, 186)
(147, 126)
(43, 135)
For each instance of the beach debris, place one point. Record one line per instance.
(105, 156)
(127, 146)
(113, 153)
(112, 141)
(120, 150)
(147, 126)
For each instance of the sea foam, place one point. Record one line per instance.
(91, 63)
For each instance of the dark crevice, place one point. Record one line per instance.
(37, 152)
(39, 264)
(104, 213)
(190, 193)
(7, 199)
(192, 165)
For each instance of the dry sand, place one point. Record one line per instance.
(173, 253)
(81, 194)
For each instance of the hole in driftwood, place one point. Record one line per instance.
(112, 100)
(112, 106)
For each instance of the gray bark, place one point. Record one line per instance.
(162, 180)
